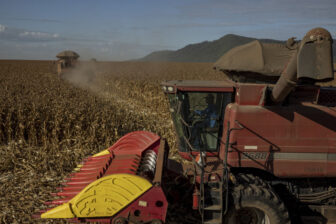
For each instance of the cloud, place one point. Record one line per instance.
(41, 20)
(38, 35)
(2, 28)
(259, 11)
(14, 34)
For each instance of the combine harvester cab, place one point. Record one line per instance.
(121, 184)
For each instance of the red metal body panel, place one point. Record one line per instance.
(199, 86)
(209, 89)
(298, 140)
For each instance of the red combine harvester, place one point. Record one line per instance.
(67, 61)
(261, 153)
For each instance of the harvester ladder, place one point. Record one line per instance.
(215, 194)
(211, 198)
(212, 203)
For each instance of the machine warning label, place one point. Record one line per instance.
(251, 147)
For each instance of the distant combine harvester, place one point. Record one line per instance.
(67, 60)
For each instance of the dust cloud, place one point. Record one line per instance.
(83, 74)
(87, 76)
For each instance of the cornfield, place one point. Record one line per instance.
(48, 125)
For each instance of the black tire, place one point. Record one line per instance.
(248, 179)
(120, 220)
(156, 221)
(255, 204)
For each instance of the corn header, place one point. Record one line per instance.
(123, 182)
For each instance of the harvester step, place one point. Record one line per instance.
(213, 221)
(214, 185)
(213, 207)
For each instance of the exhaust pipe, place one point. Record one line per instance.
(312, 62)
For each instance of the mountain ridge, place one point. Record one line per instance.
(207, 51)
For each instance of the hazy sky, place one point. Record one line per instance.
(128, 29)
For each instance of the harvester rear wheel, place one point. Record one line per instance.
(255, 204)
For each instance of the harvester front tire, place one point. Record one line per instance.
(156, 221)
(248, 179)
(120, 220)
(255, 204)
